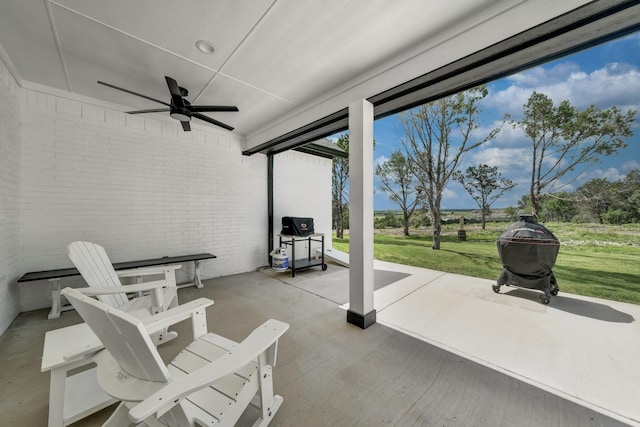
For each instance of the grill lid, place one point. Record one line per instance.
(528, 248)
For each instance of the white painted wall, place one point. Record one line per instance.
(140, 187)
(302, 187)
(9, 198)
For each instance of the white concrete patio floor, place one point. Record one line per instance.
(583, 349)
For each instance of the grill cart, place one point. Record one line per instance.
(528, 252)
(296, 230)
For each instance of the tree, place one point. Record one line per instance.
(340, 188)
(560, 206)
(624, 200)
(388, 220)
(399, 184)
(485, 185)
(436, 136)
(564, 138)
(630, 195)
(595, 196)
(511, 213)
(524, 204)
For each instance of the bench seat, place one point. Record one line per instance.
(125, 269)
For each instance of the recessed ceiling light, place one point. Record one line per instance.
(205, 47)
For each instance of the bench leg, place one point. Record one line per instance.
(196, 274)
(55, 299)
(138, 281)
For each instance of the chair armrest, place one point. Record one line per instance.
(78, 352)
(147, 271)
(259, 341)
(137, 287)
(164, 319)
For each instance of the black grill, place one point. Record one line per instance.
(296, 226)
(528, 252)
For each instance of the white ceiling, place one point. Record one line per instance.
(284, 63)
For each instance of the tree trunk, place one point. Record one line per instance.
(484, 211)
(533, 189)
(437, 228)
(405, 223)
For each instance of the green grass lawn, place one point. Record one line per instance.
(594, 260)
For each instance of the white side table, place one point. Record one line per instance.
(72, 397)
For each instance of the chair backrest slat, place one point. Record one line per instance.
(94, 265)
(123, 336)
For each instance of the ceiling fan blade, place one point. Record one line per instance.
(186, 126)
(176, 96)
(134, 93)
(212, 121)
(212, 108)
(155, 110)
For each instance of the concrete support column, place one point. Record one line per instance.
(361, 312)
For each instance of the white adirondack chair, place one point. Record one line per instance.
(210, 383)
(94, 265)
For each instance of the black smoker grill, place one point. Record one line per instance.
(528, 252)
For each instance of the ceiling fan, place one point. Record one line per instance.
(179, 108)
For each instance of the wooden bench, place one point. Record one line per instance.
(55, 276)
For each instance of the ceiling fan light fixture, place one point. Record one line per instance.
(180, 116)
(205, 47)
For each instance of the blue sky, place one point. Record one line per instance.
(604, 75)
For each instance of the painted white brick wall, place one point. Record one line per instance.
(140, 187)
(9, 198)
(302, 188)
(74, 168)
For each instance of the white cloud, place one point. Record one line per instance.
(610, 174)
(510, 137)
(508, 160)
(613, 174)
(449, 194)
(378, 161)
(510, 100)
(540, 76)
(616, 83)
(630, 165)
